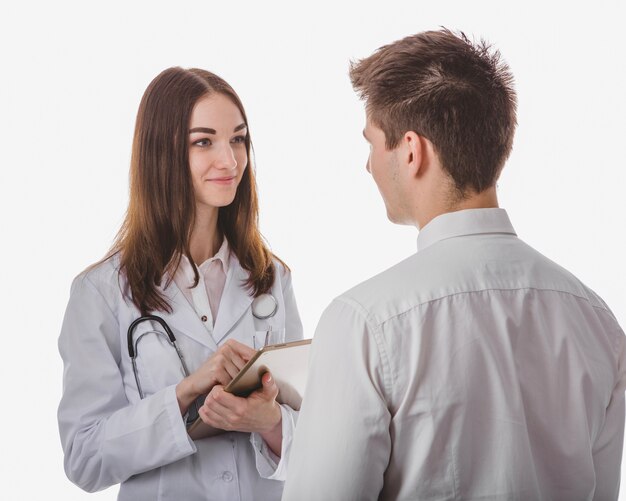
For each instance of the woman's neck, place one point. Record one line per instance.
(205, 238)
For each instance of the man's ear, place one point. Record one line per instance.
(412, 152)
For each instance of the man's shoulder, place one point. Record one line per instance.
(388, 293)
(462, 266)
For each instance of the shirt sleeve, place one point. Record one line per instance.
(106, 439)
(342, 444)
(607, 450)
(268, 464)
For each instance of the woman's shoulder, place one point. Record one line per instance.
(102, 275)
(282, 273)
(280, 265)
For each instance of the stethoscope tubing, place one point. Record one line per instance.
(132, 344)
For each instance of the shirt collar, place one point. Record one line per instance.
(223, 255)
(464, 222)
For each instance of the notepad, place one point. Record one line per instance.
(288, 364)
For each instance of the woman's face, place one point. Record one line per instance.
(217, 150)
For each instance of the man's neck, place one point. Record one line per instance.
(487, 199)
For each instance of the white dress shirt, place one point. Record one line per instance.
(474, 369)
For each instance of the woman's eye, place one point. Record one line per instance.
(202, 142)
(239, 139)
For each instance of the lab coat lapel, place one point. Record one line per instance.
(235, 300)
(183, 317)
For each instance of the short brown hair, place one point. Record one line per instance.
(457, 94)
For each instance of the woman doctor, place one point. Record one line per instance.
(190, 252)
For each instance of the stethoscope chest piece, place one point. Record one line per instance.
(264, 306)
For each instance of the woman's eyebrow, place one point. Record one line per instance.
(202, 129)
(207, 130)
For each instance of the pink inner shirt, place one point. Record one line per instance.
(205, 297)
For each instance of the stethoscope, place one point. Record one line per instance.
(263, 307)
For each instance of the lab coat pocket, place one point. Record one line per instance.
(267, 337)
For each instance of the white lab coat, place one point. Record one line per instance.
(110, 436)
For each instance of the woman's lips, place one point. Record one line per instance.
(222, 180)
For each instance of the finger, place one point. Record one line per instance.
(234, 357)
(222, 376)
(212, 418)
(224, 369)
(216, 408)
(244, 351)
(231, 369)
(267, 379)
(215, 388)
(223, 402)
(269, 385)
(230, 417)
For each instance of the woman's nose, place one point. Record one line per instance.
(226, 158)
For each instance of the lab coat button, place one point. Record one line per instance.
(204, 318)
(227, 476)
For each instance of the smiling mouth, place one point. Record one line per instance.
(222, 180)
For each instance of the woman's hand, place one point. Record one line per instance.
(219, 369)
(258, 413)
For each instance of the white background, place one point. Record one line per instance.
(71, 80)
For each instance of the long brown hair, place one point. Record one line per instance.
(161, 211)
